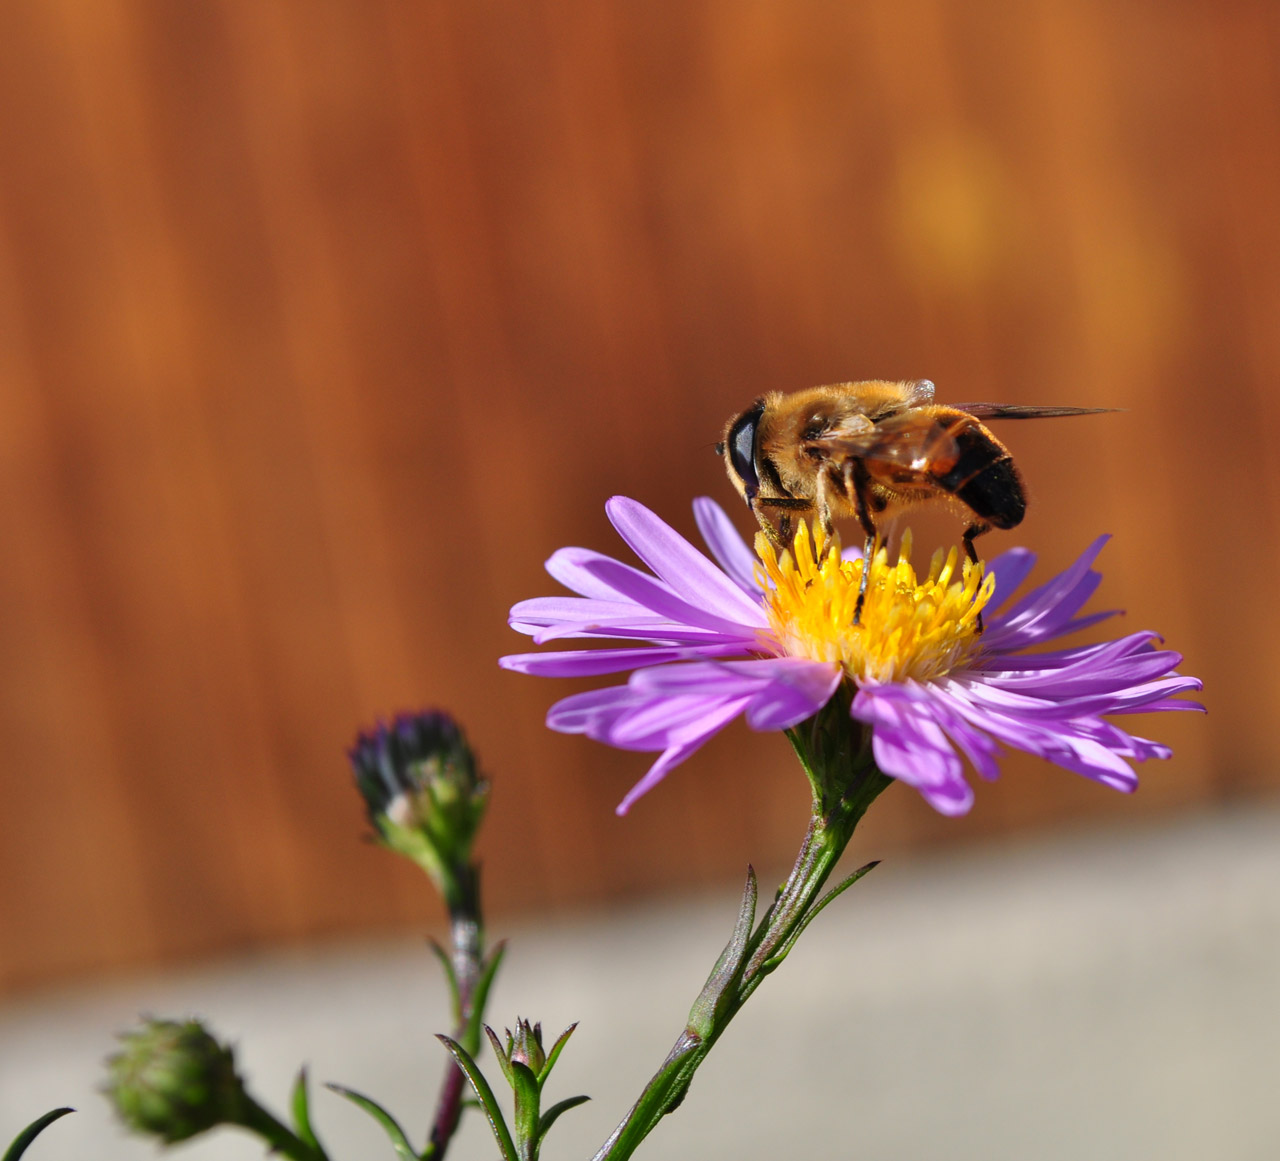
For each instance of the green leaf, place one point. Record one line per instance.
(662, 1095)
(451, 976)
(702, 1016)
(32, 1131)
(302, 1112)
(485, 1095)
(399, 1141)
(524, 1084)
(480, 996)
(550, 1117)
(785, 947)
(554, 1054)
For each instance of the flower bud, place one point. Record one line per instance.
(525, 1045)
(174, 1080)
(423, 792)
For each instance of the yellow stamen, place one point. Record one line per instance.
(909, 628)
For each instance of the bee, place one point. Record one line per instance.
(866, 449)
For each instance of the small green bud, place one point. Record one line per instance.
(423, 792)
(525, 1046)
(174, 1080)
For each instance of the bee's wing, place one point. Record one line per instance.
(920, 392)
(1024, 411)
(910, 439)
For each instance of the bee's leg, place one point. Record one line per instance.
(827, 482)
(782, 535)
(970, 535)
(766, 525)
(858, 485)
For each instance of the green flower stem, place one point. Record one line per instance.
(461, 890)
(278, 1136)
(845, 782)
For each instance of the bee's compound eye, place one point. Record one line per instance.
(742, 449)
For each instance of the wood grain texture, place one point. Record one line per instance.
(322, 324)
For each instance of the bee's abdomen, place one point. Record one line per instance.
(984, 478)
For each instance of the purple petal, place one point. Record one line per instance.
(630, 719)
(590, 712)
(1066, 743)
(1060, 658)
(1106, 670)
(796, 690)
(1164, 704)
(569, 567)
(655, 629)
(655, 722)
(1044, 612)
(1119, 742)
(544, 611)
(981, 750)
(782, 691)
(714, 721)
(594, 662)
(550, 618)
(1142, 698)
(679, 564)
(657, 597)
(1025, 707)
(726, 544)
(908, 744)
(1011, 569)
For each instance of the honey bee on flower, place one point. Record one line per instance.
(871, 448)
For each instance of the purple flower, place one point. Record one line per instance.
(772, 636)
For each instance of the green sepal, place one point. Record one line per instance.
(485, 1095)
(552, 1115)
(32, 1131)
(524, 1087)
(399, 1141)
(703, 1016)
(504, 1060)
(451, 978)
(301, 1103)
(784, 949)
(554, 1055)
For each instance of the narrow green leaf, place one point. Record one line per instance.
(302, 1112)
(662, 1095)
(524, 1084)
(785, 947)
(451, 977)
(552, 1115)
(480, 996)
(702, 1016)
(554, 1054)
(485, 1095)
(399, 1141)
(32, 1131)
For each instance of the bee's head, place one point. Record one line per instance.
(739, 450)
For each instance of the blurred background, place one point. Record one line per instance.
(323, 324)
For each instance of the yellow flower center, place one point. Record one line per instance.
(909, 628)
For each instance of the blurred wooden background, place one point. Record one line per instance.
(323, 323)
